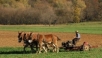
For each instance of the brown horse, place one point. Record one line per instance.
(26, 40)
(44, 41)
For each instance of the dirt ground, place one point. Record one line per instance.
(9, 38)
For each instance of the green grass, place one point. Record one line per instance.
(9, 52)
(85, 27)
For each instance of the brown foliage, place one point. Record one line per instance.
(49, 11)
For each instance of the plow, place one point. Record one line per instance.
(69, 46)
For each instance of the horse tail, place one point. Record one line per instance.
(58, 39)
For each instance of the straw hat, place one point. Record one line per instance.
(77, 31)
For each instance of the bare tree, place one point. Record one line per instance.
(47, 14)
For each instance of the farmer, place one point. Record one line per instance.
(77, 38)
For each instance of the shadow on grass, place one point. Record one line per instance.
(22, 52)
(17, 52)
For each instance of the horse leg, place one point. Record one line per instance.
(57, 48)
(25, 48)
(54, 47)
(45, 49)
(36, 47)
(40, 48)
(31, 46)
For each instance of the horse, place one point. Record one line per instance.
(26, 40)
(44, 41)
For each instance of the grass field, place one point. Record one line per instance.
(17, 53)
(87, 29)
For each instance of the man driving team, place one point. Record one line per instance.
(77, 38)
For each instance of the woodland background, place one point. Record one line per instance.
(16, 12)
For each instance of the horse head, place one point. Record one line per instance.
(20, 36)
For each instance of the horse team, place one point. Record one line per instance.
(44, 42)
(40, 41)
